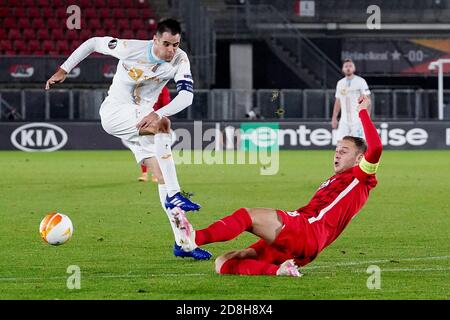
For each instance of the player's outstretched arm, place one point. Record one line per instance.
(105, 45)
(374, 146)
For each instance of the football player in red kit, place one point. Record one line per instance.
(294, 238)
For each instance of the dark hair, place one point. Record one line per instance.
(360, 144)
(347, 60)
(168, 25)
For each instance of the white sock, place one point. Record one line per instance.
(162, 197)
(163, 151)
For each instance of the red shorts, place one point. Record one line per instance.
(295, 241)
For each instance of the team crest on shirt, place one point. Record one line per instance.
(344, 91)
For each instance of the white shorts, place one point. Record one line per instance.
(120, 120)
(349, 129)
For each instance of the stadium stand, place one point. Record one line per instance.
(38, 27)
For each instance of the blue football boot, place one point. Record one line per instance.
(178, 200)
(197, 253)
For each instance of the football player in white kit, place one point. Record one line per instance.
(349, 90)
(144, 68)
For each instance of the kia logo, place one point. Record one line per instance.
(39, 136)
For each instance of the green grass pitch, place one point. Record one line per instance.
(123, 242)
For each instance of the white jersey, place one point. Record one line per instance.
(348, 91)
(140, 76)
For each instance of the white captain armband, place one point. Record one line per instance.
(367, 167)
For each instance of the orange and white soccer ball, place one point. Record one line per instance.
(56, 228)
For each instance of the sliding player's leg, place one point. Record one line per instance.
(264, 223)
(258, 259)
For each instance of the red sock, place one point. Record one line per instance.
(248, 267)
(225, 229)
(143, 168)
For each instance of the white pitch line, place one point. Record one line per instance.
(339, 264)
(110, 276)
(355, 263)
(407, 270)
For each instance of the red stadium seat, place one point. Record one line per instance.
(38, 24)
(62, 46)
(90, 13)
(114, 33)
(9, 23)
(34, 12)
(23, 23)
(55, 23)
(85, 4)
(101, 33)
(114, 3)
(61, 13)
(133, 13)
(123, 24)
(94, 24)
(3, 34)
(58, 34)
(109, 23)
(146, 13)
(127, 34)
(15, 3)
(60, 3)
(127, 4)
(136, 24)
(43, 34)
(143, 34)
(19, 12)
(28, 3)
(4, 12)
(47, 45)
(72, 34)
(20, 46)
(29, 34)
(85, 34)
(118, 13)
(48, 12)
(5, 45)
(45, 3)
(34, 45)
(99, 3)
(14, 34)
(75, 44)
(104, 13)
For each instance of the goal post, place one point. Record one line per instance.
(439, 64)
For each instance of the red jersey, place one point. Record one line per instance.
(163, 99)
(336, 202)
(309, 229)
(340, 198)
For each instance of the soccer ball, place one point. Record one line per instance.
(56, 228)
